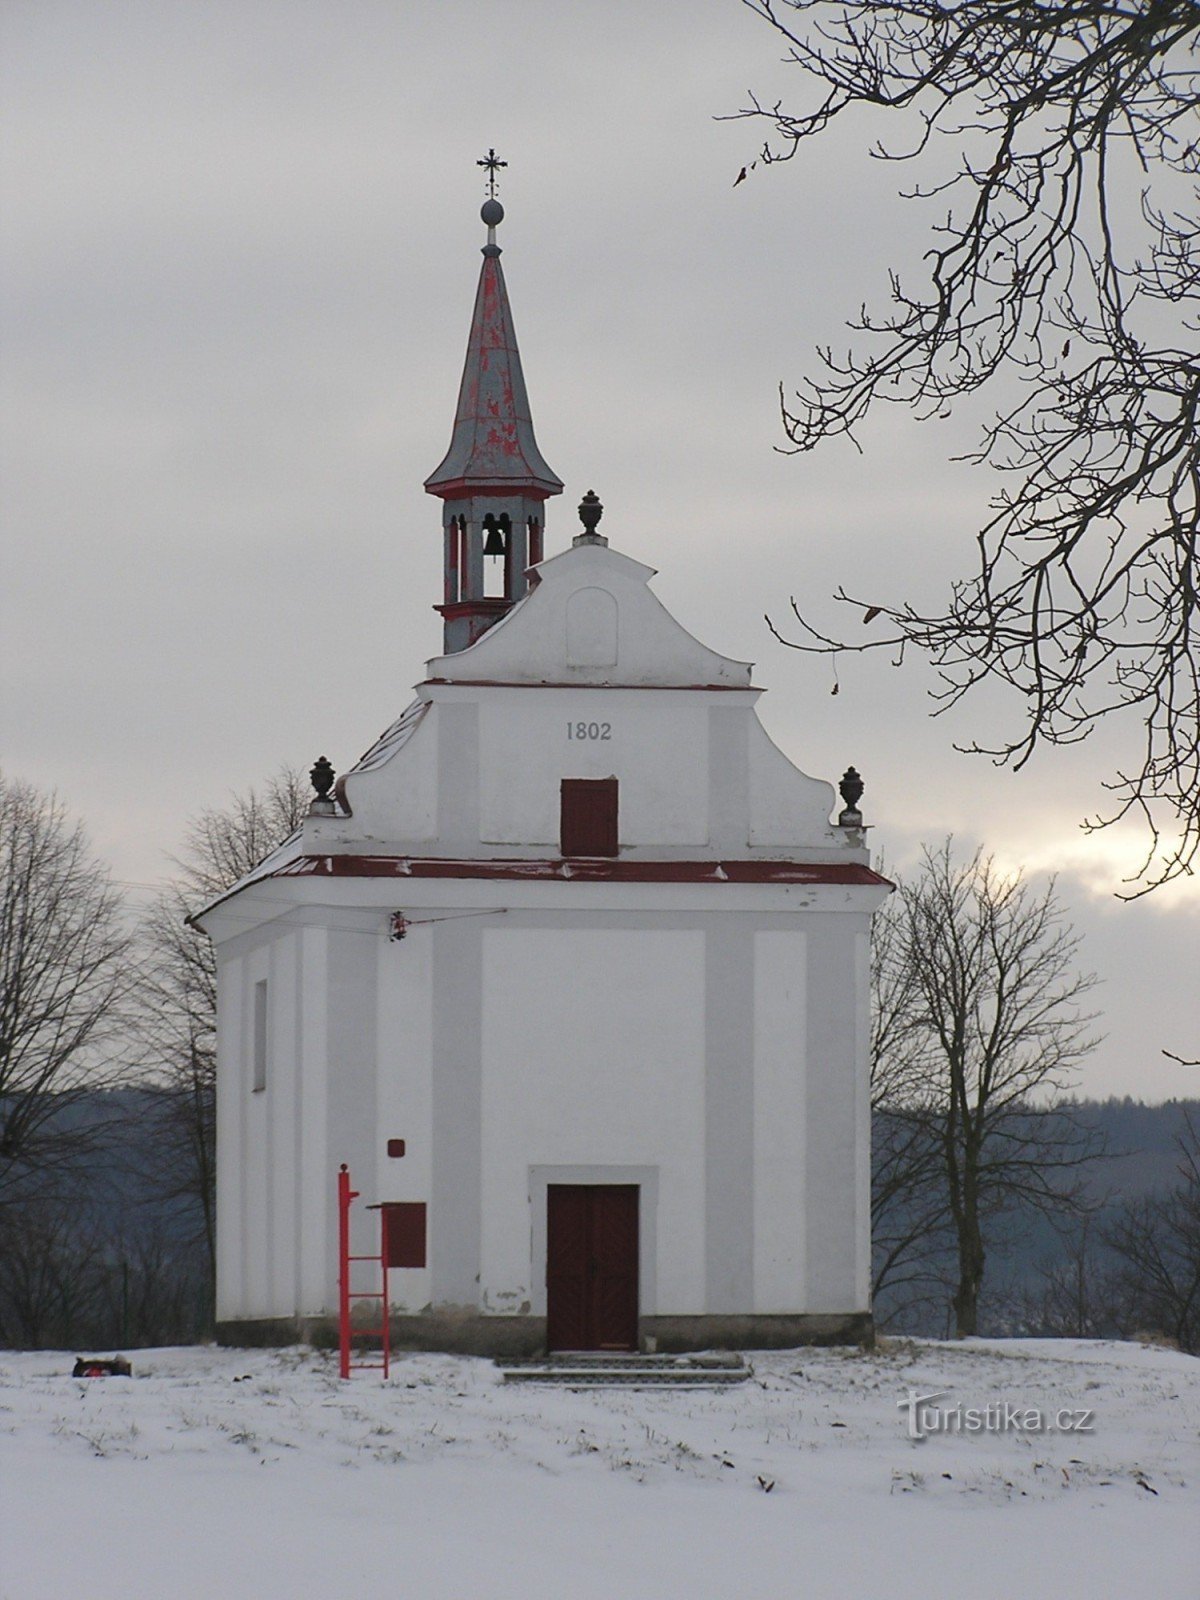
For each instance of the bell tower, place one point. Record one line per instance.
(493, 481)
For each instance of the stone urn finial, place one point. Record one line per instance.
(590, 512)
(322, 776)
(851, 790)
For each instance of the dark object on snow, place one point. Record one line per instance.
(102, 1367)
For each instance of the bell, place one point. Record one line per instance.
(493, 544)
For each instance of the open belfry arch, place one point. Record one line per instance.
(570, 968)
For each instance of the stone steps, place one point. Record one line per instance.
(634, 1371)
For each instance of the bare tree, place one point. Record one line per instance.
(68, 1278)
(1157, 1239)
(991, 1031)
(65, 974)
(177, 1024)
(50, 1255)
(1075, 1295)
(223, 843)
(178, 1018)
(1060, 147)
(909, 1226)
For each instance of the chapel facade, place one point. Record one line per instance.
(570, 969)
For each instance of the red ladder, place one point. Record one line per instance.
(346, 1197)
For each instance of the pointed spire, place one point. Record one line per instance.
(492, 446)
(493, 481)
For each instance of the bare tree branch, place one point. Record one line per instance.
(1064, 263)
(65, 978)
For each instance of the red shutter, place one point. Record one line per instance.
(404, 1233)
(589, 817)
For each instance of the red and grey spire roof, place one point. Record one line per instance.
(493, 447)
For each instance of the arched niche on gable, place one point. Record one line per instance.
(591, 628)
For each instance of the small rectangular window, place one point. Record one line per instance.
(589, 817)
(260, 1035)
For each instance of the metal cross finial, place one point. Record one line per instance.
(492, 162)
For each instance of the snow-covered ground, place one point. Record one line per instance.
(222, 1474)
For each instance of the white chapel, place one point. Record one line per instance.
(570, 970)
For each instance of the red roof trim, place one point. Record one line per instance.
(589, 870)
(511, 683)
(485, 605)
(469, 488)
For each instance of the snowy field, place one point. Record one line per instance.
(234, 1475)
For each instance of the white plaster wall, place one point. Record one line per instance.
(833, 1123)
(590, 647)
(230, 1117)
(397, 800)
(593, 1055)
(696, 769)
(657, 746)
(258, 1134)
(536, 643)
(351, 1116)
(786, 806)
(282, 1115)
(862, 1115)
(780, 1003)
(593, 628)
(404, 1091)
(315, 1181)
(256, 1188)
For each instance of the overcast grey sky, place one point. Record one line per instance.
(239, 252)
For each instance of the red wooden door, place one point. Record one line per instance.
(592, 1266)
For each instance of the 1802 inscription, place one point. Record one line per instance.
(589, 730)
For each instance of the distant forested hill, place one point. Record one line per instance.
(1142, 1141)
(1025, 1249)
(102, 1250)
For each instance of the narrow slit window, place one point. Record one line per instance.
(589, 817)
(260, 1036)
